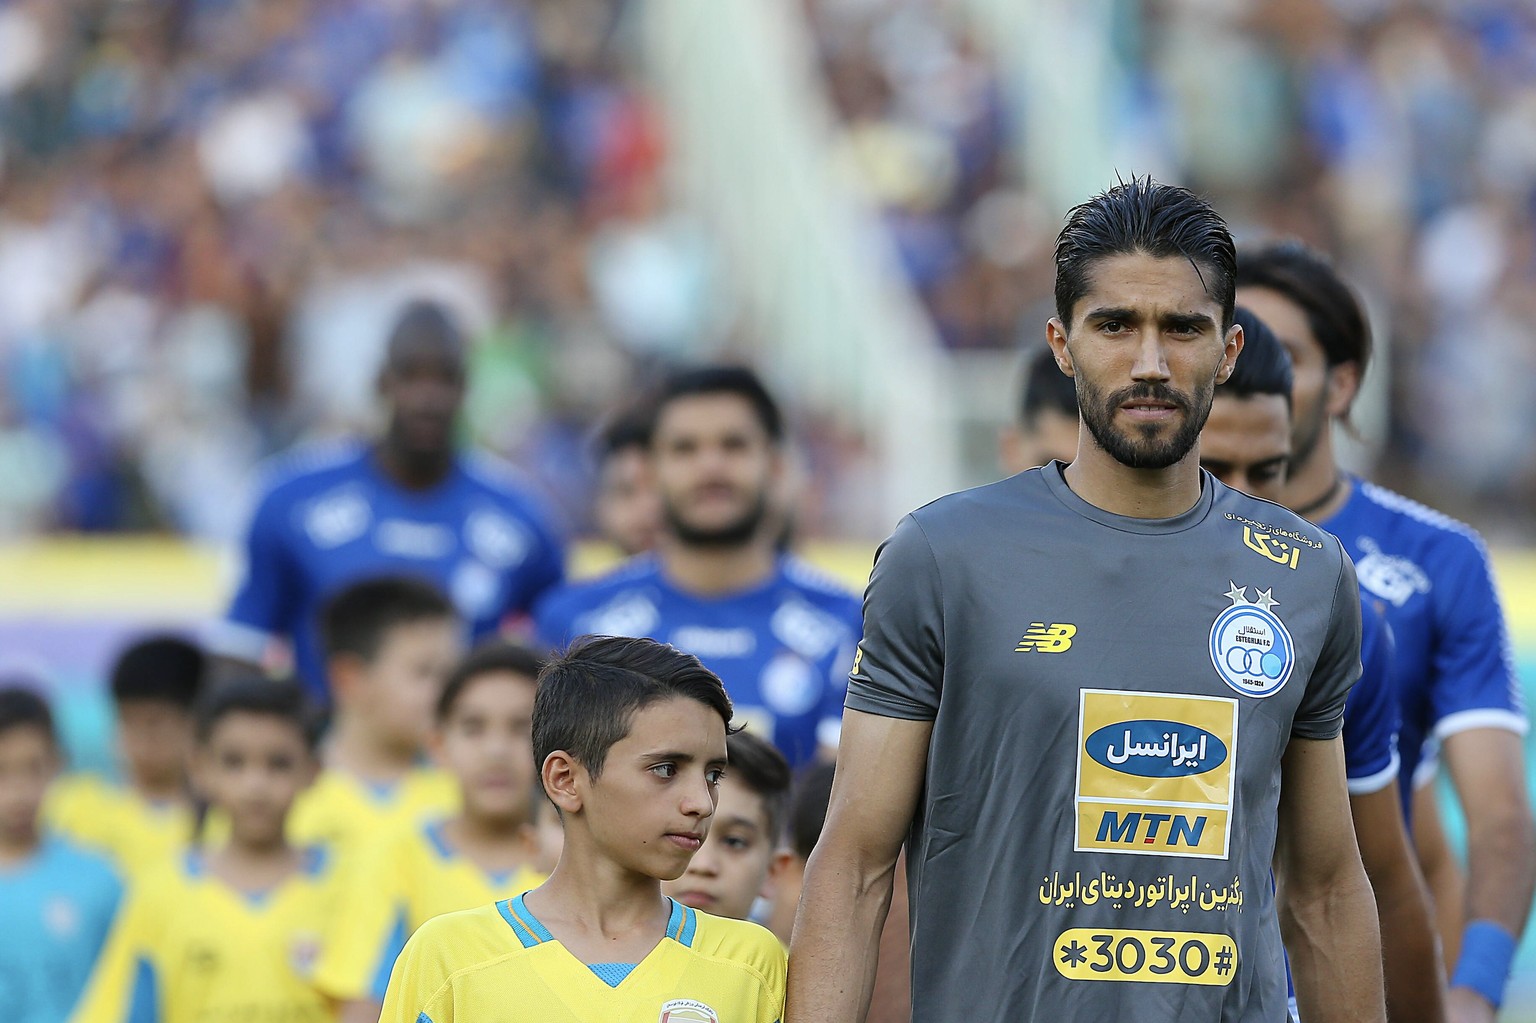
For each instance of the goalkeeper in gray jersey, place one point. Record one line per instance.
(1101, 699)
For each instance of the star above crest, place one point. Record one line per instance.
(1237, 594)
(1266, 600)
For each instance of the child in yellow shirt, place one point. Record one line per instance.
(630, 736)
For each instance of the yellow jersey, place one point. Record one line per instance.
(138, 836)
(498, 964)
(340, 808)
(391, 889)
(188, 948)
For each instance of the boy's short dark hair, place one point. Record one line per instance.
(627, 429)
(808, 812)
(495, 656)
(357, 619)
(589, 695)
(761, 768)
(255, 694)
(706, 380)
(165, 669)
(22, 707)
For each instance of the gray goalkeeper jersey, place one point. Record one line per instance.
(1111, 698)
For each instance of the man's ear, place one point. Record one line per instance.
(565, 780)
(1341, 389)
(1232, 348)
(1056, 337)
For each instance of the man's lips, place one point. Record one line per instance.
(1148, 408)
(686, 840)
(696, 899)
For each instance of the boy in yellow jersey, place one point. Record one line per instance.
(390, 643)
(740, 861)
(142, 822)
(231, 933)
(630, 736)
(484, 739)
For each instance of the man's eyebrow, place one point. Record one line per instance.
(1115, 312)
(1188, 320)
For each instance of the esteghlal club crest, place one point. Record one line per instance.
(1250, 647)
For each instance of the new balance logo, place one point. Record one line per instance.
(1041, 638)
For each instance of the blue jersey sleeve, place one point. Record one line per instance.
(542, 573)
(271, 588)
(552, 620)
(1371, 712)
(1475, 685)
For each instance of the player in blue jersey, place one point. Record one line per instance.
(408, 503)
(1246, 443)
(1430, 576)
(56, 900)
(777, 633)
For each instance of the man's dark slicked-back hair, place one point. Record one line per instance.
(759, 766)
(1307, 278)
(1151, 218)
(167, 669)
(255, 694)
(21, 707)
(1046, 389)
(707, 380)
(589, 695)
(495, 657)
(1264, 367)
(358, 618)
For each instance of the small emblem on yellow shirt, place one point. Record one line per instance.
(684, 1010)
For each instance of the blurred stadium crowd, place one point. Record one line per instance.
(210, 209)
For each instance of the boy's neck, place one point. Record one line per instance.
(599, 911)
(353, 751)
(254, 867)
(18, 847)
(157, 790)
(495, 845)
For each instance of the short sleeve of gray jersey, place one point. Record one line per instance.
(899, 669)
(1321, 714)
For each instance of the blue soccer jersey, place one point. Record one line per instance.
(1429, 576)
(782, 648)
(329, 517)
(1371, 759)
(57, 909)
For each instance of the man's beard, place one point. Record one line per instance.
(1145, 451)
(736, 533)
(1306, 435)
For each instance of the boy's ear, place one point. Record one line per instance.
(781, 862)
(565, 780)
(346, 673)
(197, 771)
(435, 744)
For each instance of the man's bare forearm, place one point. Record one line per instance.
(1501, 869)
(1334, 943)
(1414, 977)
(836, 942)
